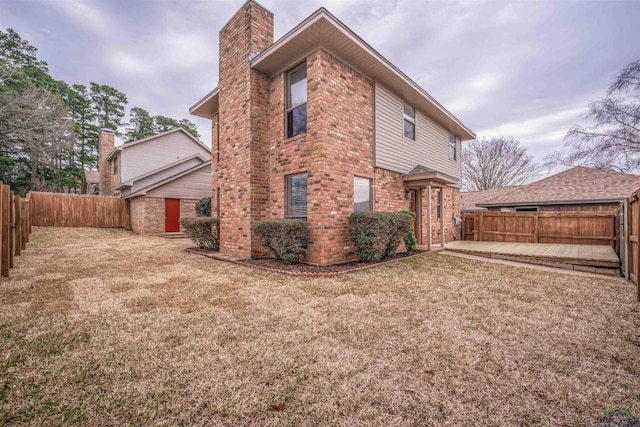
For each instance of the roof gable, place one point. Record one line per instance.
(322, 29)
(143, 191)
(155, 137)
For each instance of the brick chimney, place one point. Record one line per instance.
(106, 144)
(242, 172)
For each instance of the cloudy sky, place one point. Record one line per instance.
(520, 69)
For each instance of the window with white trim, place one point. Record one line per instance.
(409, 122)
(296, 117)
(452, 147)
(361, 194)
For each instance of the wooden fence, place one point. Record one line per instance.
(632, 232)
(72, 210)
(15, 227)
(585, 228)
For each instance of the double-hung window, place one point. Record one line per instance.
(115, 165)
(452, 147)
(297, 101)
(297, 199)
(361, 194)
(409, 122)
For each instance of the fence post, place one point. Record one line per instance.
(637, 253)
(12, 229)
(624, 240)
(480, 226)
(30, 216)
(536, 237)
(2, 220)
(6, 208)
(18, 225)
(23, 228)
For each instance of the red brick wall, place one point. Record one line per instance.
(147, 216)
(389, 191)
(187, 208)
(136, 211)
(214, 166)
(244, 128)
(338, 144)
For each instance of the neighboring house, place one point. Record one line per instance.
(318, 125)
(469, 199)
(163, 176)
(576, 189)
(90, 183)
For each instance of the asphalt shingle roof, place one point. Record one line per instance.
(577, 184)
(470, 198)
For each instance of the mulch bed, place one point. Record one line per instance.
(305, 270)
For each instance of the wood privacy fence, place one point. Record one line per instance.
(632, 232)
(585, 228)
(15, 227)
(73, 210)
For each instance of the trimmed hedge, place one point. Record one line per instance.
(410, 241)
(203, 231)
(203, 207)
(377, 235)
(282, 237)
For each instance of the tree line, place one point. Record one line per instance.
(49, 128)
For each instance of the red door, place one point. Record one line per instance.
(172, 215)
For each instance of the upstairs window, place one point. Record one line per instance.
(115, 165)
(409, 122)
(452, 147)
(297, 101)
(361, 194)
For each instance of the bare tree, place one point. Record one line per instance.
(496, 162)
(35, 132)
(612, 141)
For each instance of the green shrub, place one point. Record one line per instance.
(282, 237)
(203, 231)
(203, 207)
(377, 235)
(410, 241)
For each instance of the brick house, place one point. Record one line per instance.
(318, 125)
(162, 176)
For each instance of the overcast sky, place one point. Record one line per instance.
(520, 69)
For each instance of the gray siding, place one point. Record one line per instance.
(195, 185)
(145, 157)
(399, 154)
(165, 173)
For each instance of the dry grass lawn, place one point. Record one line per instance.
(103, 327)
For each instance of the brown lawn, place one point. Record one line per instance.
(103, 327)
